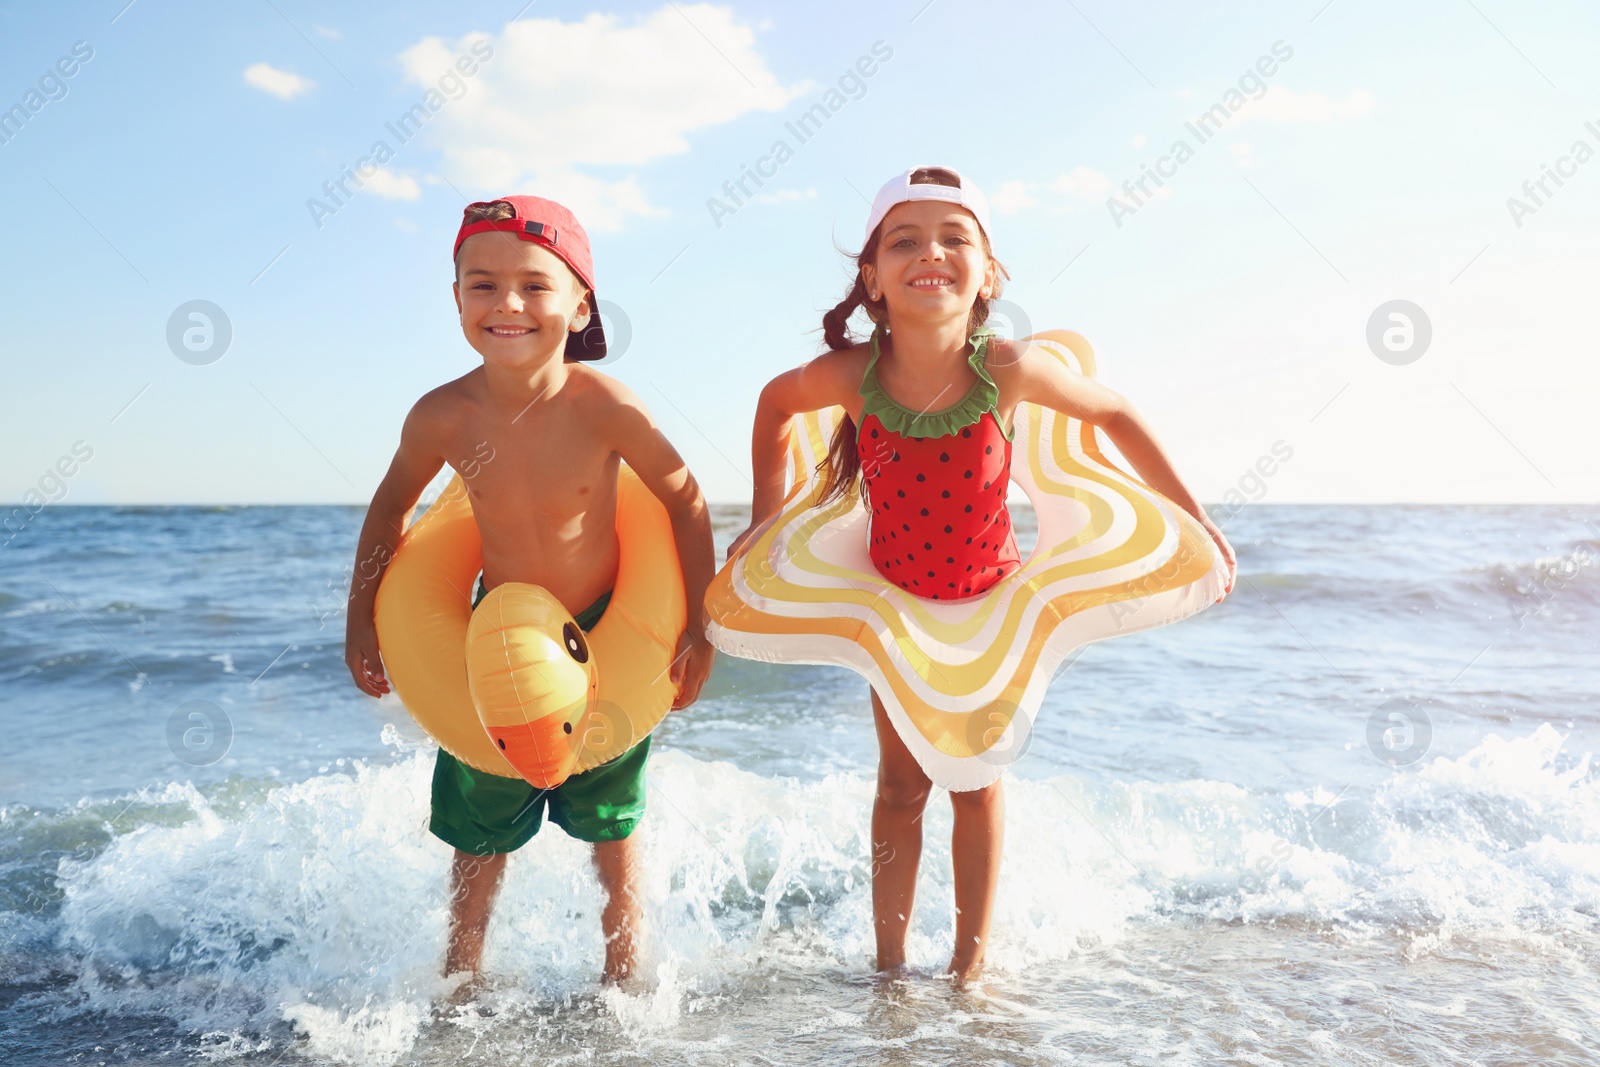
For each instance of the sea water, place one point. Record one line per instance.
(1349, 816)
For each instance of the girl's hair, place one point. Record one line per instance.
(843, 464)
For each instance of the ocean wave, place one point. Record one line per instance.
(1546, 577)
(1568, 581)
(316, 911)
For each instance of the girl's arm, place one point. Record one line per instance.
(415, 463)
(643, 447)
(1040, 378)
(830, 380)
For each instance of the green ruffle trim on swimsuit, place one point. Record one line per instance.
(981, 398)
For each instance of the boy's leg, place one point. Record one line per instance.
(482, 817)
(617, 864)
(980, 818)
(474, 882)
(896, 839)
(603, 806)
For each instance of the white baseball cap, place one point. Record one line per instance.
(900, 189)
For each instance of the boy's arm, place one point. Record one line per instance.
(415, 462)
(646, 449)
(1044, 380)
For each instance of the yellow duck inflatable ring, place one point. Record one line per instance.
(516, 688)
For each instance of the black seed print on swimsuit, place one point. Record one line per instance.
(934, 494)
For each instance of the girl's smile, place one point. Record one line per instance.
(930, 257)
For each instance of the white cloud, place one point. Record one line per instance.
(280, 83)
(1243, 153)
(1278, 104)
(391, 186)
(1140, 140)
(785, 196)
(1081, 182)
(559, 98)
(1012, 197)
(329, 32)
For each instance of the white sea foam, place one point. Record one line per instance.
(321, 905)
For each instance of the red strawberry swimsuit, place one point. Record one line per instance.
(935, 485)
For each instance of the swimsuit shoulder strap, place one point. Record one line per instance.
(869, 377)
(980, 357)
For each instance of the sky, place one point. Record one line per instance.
(1357, 154)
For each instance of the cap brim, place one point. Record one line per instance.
(900, 190)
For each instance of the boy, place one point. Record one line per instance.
(537, 439)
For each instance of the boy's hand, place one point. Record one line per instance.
(691, 666)
(366, 666)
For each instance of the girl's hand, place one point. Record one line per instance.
(366, 665)
(1226, 550)
(739, 542)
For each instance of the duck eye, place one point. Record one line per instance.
(577, 648)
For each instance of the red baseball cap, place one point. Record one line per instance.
(547, 223)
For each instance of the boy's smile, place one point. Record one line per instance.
(517, 299)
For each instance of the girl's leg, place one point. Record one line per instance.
(980, 819)
(896, 839)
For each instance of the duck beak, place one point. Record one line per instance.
(543, 751)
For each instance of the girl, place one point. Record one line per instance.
(929, 402)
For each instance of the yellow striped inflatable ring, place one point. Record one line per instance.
(516, 688)
(962, 680)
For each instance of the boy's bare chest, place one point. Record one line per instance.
(554, 466)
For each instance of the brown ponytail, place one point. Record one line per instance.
(843, 464)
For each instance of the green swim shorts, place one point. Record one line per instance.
(483, 814)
